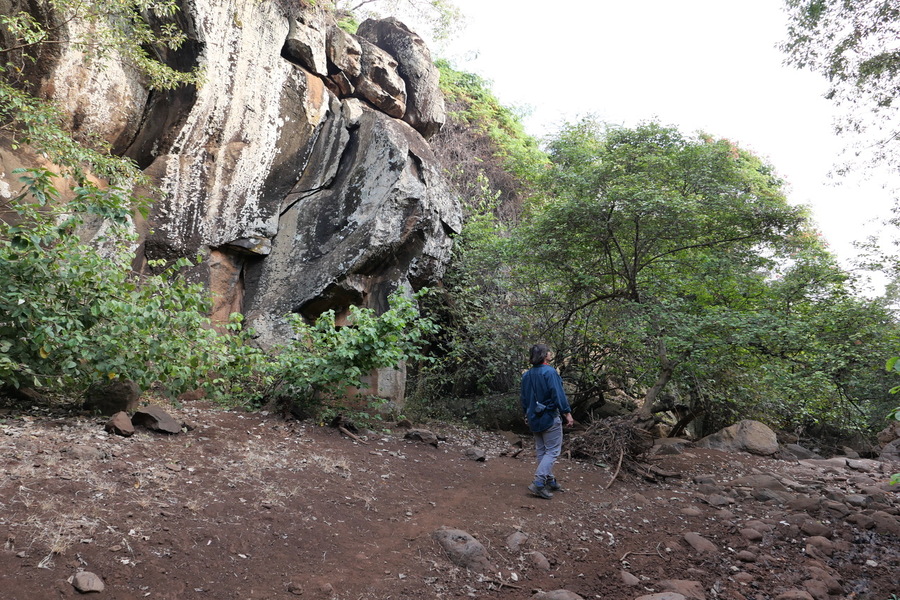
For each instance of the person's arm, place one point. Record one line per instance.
(559, 395)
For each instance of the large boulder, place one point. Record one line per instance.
(120, 395)
(746, 436)
(425, 109)
(378, 82)
(381, 220)
(306, 41)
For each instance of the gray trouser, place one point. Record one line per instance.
(547, 445)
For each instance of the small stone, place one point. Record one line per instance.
(816, 589)
(857, 500)
(629, 579)
(885, 522)
(794, 594)
(746, 556)
(814, 528)
(539, 561)
(120, 424)
(516, 540)
(422, 435)
(751, 535)
(475, 453)
(87, 582)
(295, 589)
(691, 590)
(156, 419)
(700, 543)
(822, 544)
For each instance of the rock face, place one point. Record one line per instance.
(425, 104)
(289, 170)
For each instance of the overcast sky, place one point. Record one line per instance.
(710, 65)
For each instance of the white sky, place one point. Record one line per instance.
(696, 64)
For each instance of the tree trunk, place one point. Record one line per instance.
(666, 368)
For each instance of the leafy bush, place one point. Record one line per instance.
(72, 313)
(324, 365)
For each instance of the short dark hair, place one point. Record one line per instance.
(538, 353)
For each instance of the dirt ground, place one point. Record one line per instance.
(250, 506)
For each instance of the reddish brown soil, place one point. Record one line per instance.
(249, 506)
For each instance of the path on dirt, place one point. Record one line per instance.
(248, 506)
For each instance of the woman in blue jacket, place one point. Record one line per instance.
(543, 401)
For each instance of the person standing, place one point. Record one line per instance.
(543, 402)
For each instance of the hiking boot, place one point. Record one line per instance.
(553, 485)
(540, 491)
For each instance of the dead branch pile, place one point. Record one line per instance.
(613, 441)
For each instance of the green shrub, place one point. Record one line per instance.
(320, 370)
(73, 313)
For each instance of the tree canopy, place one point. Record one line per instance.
(854, 45)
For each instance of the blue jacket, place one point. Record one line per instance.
(543, 398)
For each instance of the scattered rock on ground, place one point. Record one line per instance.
(464, 550)
(474, 453)
(156, 419)
(110, 398)
(422, 435)
(120, 424)
(700, 543)
(87, 582)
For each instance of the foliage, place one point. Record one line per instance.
(324, 365)
(652, 248)
(484, 142)
(72, 313)
(853, 44)
(493, 164)
(442, 17)
(134, 31)
(479, 346)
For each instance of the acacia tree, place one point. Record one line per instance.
(853, 44)
(652, 251)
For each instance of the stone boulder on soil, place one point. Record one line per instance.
(463, 550)
(87, 582)
(889, 433)
(120, 424)
(745, 436)
(156, 419)
(110, 398)
(422, 435)
(891, 452)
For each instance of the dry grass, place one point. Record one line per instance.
(329, 464)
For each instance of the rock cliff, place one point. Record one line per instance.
(300, 169)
